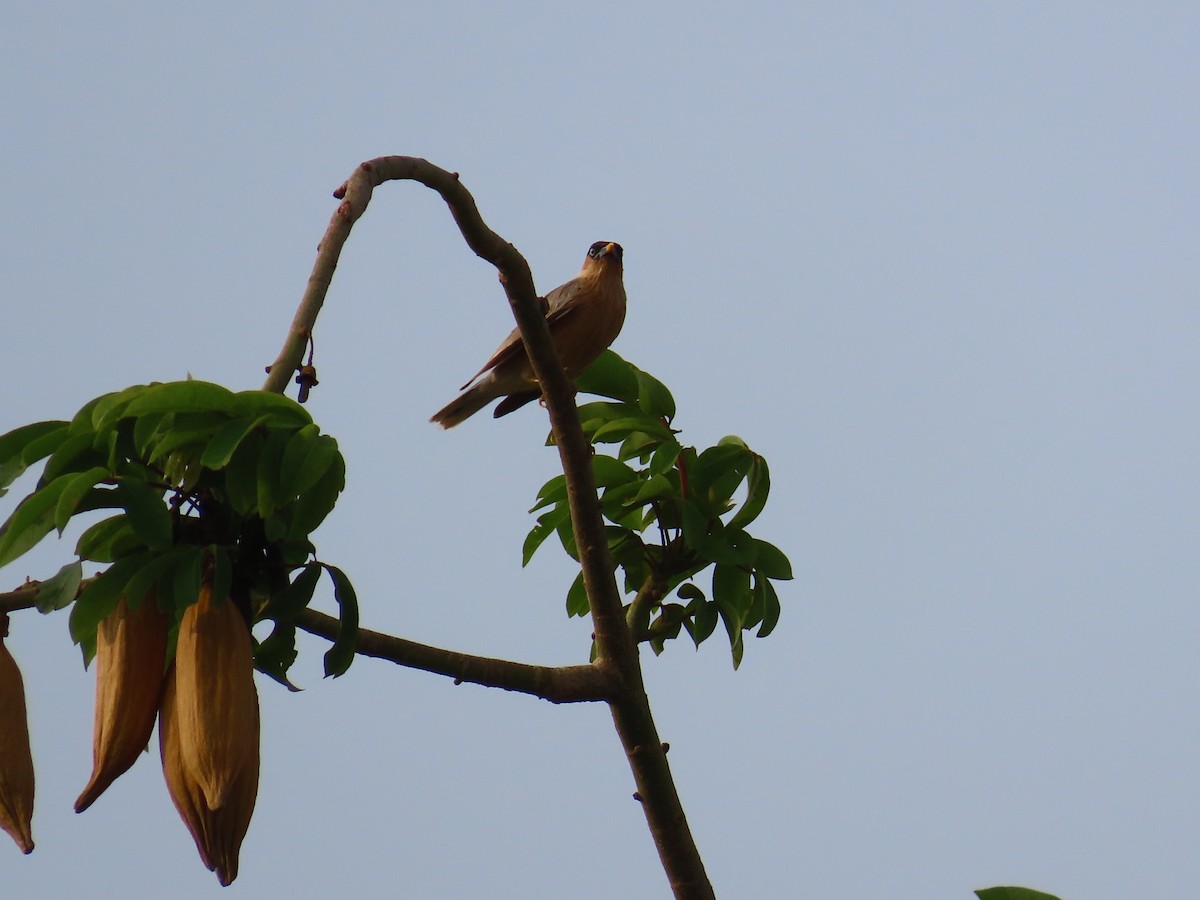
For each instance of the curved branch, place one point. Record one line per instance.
(355, 195)
(616, 647)
(558, 684)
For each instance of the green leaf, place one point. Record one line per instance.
(270, 462)
(716, 475)
(655, 487)
(309, 455)
(222, 445)
(639, 446)
(114, 447)
(275, 527)
(770, 561)
(619, 429)
(689, 591)
(160, 566)
(274, 656)
(296, 553)
(148, 515)
(610, 376)
(81, 422)
(189, 434)
(294, 599)
(60, 589)
(106, 410)
(14, 443)
(78, 487)
(44, 446)
(705, 622)
(1012, 893)
(731, 590)
(183, 396)
(310, 510)
(653, 396)
(277, 410)
(733, 626)
(241, 475)
(771, 608)
(608, 471)
(100, 599)
(553, 491)
(341, 654)
(222, 572)
(664, 457)
(147, 428)
(322, 456)
(294, 454)
(694, 525)
(758, 486)
(566, 535)
(31, 521)
(75, 454)
(728, 545)
(547, 524)
(25, 445)
(577, 599)
(731, 587)
(107, 540)
(188, 577)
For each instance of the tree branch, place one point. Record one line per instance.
(616, 648)
(355, 195)
(24, 597)
(649, 595)
(558, 684)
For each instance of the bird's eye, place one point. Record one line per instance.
(596, 249)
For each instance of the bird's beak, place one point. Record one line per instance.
(609, 249)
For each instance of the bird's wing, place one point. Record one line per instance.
(557, 304)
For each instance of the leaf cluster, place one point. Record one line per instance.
(203, 483)
(672, 512)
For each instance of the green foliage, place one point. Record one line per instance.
(1012, 893)
(205, 483)
(672, 513)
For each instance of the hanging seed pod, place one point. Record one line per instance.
(131, 650)
(16, 761)
(216, 702)
(209, 731)
(185, 793)
(228, 825)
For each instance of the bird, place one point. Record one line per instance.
(584, 315)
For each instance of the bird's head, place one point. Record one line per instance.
(603, 255)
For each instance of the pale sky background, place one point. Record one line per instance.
(936, 261)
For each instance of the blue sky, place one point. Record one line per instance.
(936, 261)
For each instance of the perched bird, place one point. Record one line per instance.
(584, 315)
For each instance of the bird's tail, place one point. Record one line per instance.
(464, 405)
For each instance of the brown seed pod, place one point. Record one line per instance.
(209, 731)
(16, 760)
(216, 702)
(131, 650)
(185, 793)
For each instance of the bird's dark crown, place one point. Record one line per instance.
(597, 250)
